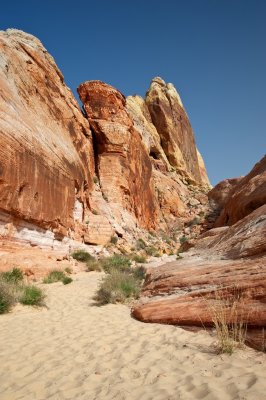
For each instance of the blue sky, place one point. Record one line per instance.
(213, 51)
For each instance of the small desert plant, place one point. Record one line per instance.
(139, 273)
(54, 276)
(183, 239)
(114, 239)
(94, 265)
(82, 255)
(227, 312)
(138, 259)
(193, 222)
(117, 261)
(95, 212)
(32, 295)
(116, 287)
(68, 270)
(95, 179)
(7, 298)
(66, 280)
(152, 251)
(13, 276)
(140, 244)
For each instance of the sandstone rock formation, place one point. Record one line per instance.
(248, 194)
(226, 264)
(70, 178)
(177, 139)
(123, 164)
(46, 157)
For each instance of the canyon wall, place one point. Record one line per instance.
(121, 167)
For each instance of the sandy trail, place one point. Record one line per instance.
(75, 350)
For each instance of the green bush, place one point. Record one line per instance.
(13, 276)
(139, 273)
(117, 261)
(183, 239)
(66, 280)
(32, 295)
(152, 251)
(82, 255)
(138, 259)
(140, 244)
(116, 287)
(54, 276)
(68, 270)
(7, 298)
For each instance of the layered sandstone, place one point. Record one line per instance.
(248, 194)
(226, 268)
(70, 178)
(177, 139)
(46, 155)
(123, 164)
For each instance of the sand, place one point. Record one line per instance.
(75, 350)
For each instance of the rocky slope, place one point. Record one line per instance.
(71, 179)
(227, 263)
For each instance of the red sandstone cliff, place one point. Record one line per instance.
(66, 178)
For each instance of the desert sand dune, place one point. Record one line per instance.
(75, 350)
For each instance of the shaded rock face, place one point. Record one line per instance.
(246, 195)
(226, 268)
(46, 157)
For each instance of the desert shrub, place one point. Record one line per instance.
(7, 298)
(193, 222)
(66, 280)
(95, 212)
(68, 270)
(54, 276)
(95, 179)
(13, 276)
(140, 244)
(183, 239)
(114, 239)
(138, 259)
(94, 265)
(139, 273)
(152, 251)
(117, 261)
(32, 295)
(82, 255)
(116, 287)
(178, 256)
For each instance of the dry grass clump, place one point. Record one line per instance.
(121, 283)
(229, 319)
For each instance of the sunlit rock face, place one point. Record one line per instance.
(122, 161)
(68, 176)
(46, 156)
(176, 136)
